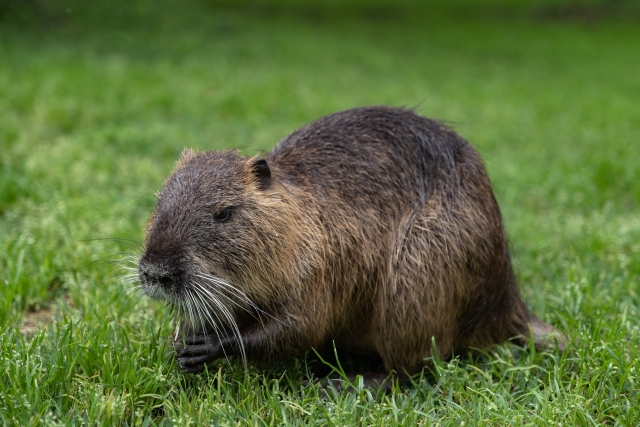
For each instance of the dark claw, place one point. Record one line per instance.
(195, 360)
(196, 369)
(196, 350)
(196, 339)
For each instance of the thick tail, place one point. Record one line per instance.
(545, 336)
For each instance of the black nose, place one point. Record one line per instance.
(153, 275)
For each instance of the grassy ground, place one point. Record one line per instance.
(98, 101)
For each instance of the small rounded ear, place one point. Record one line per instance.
(261, 171)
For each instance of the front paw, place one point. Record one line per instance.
(197, 352)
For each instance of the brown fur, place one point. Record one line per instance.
(373, 228)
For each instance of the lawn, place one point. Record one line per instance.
(97, 102)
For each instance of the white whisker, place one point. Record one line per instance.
(230, 321)
(206, 309)
(190, 316)
(237, 293)
(178, 320)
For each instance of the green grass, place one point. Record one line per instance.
(97, 102)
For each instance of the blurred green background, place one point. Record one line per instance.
(97, 99)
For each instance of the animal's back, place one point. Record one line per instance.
(377, 156)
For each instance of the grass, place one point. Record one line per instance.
(98, 101)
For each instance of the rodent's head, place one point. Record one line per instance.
(221, 239)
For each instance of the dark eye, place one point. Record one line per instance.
(223, 215)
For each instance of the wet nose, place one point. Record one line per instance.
(155, 276)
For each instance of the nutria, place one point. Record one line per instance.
(372, 229)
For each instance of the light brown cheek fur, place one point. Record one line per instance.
(286, 251)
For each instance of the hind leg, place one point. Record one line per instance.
(457, 290)
(416, 316)
(420, 302)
